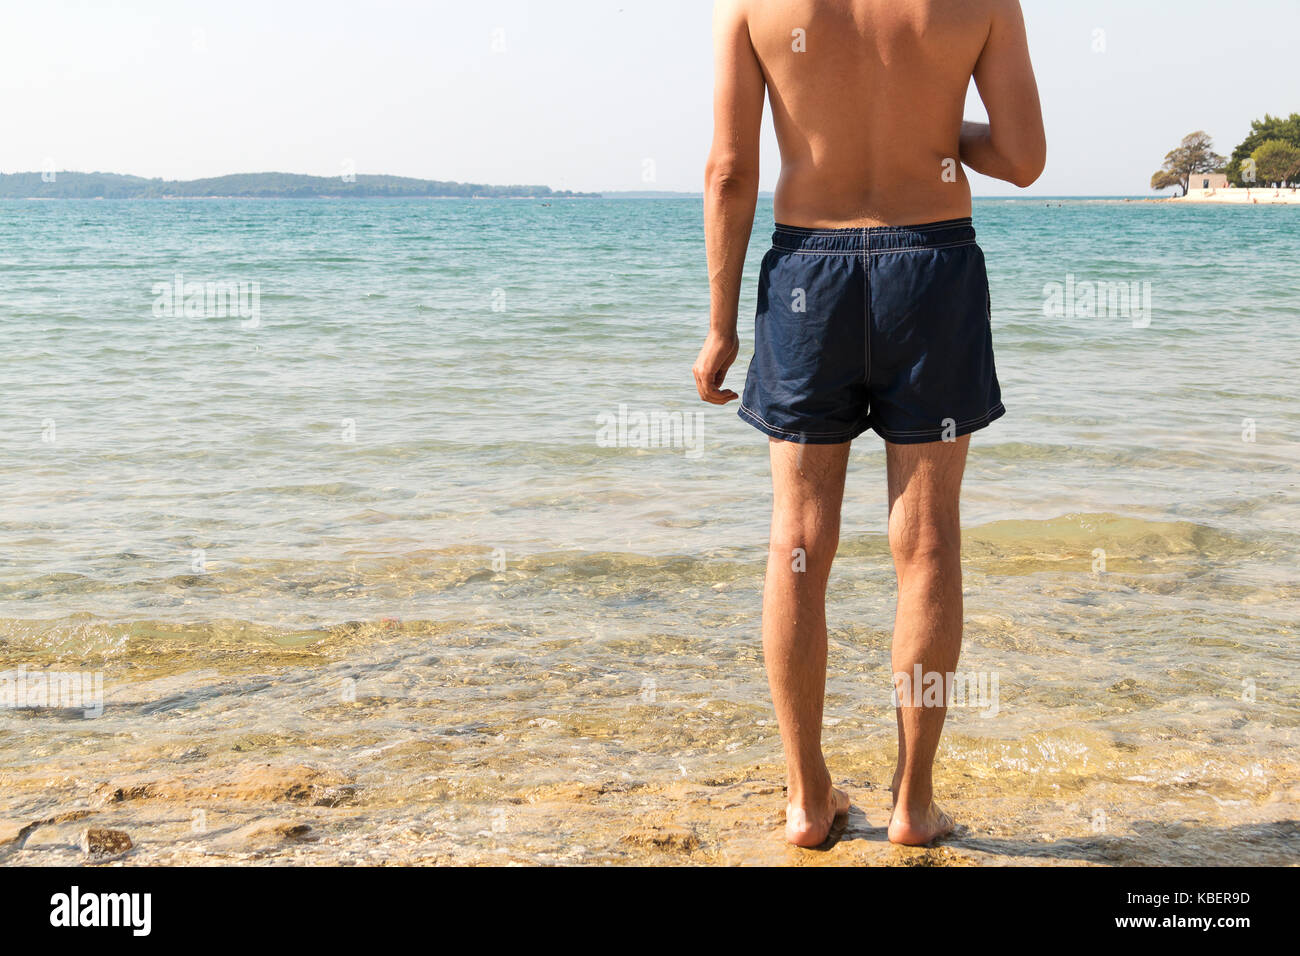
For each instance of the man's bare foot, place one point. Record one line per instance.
(920, 827)
(810, 826)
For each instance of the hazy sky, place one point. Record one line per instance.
(574, 94)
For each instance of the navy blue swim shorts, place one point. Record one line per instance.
(885, 328)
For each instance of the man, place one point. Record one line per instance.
(873, 312)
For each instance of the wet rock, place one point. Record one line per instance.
(103, 842)
(14, 831)
(132, 789)
(264, 834)
(270, 782)
(575, 792)
(667, 837)
(336, 796)
(250, 782)
(68, 816)
(929, 857)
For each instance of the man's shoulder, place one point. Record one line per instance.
(960, 8)
(1002, 8)
(971, 16)
(976, 9)
(731, 11)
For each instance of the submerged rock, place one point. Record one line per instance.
(247, 782)
(103, 842)
(263, 834)
(12, 831)
(668, 837)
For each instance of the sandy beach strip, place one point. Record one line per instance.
(1242, 197)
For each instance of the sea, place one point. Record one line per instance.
(420, 494)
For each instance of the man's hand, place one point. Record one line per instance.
(719, 351)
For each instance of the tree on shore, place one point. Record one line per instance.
(1276, 162)
(1195, 154)
(1261, 131)
(1166, 180)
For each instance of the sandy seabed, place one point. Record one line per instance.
(254, 812)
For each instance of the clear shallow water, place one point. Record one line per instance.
(385, 514)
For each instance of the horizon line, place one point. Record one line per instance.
(648, 193)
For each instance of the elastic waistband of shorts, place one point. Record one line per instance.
(868, 239)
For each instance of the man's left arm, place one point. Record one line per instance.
(730, 190)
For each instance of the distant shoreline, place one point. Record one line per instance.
(55, 184)
(546, 199)
(1235, 197)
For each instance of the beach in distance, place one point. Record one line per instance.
(1269, 196)
(383, 532)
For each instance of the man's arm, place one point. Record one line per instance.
(1012, 145)
(730, 190)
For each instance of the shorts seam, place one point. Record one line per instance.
(748, 412)
(867, 317)
(920, 227)
(902, 433)
(794, 250)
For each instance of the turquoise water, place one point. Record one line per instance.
(399, 464)
(477, 429)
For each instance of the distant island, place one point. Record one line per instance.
(70, 185)
(662, 194)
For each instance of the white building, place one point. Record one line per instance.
(1206, 183)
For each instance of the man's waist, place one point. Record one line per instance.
(944, 234)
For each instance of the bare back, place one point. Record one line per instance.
(867, 98)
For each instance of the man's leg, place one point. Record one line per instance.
(807, 488)
(925, 538)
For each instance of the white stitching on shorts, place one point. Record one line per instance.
(785, 431)
(872, 252)
(939, 430)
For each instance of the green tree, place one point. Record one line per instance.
(1261, 131)
(1276, 161)
(1195, 154)
(1166, 180)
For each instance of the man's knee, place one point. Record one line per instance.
(922, 543)
(807, 545)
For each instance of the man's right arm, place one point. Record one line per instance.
(731, 190)
(1012, 145)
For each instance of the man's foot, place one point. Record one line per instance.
(810, 826)
(920, 827)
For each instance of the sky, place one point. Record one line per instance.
(593, 95)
